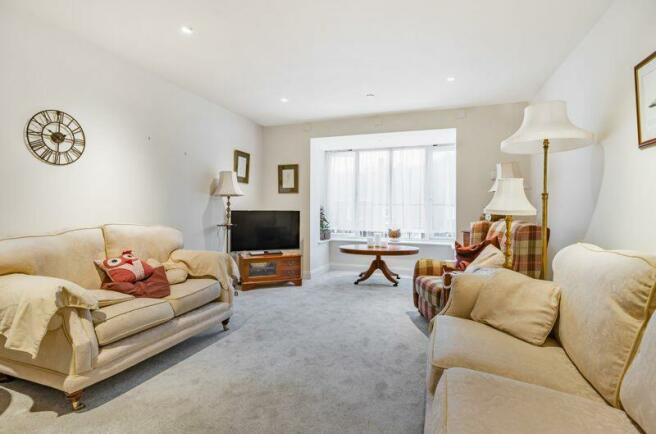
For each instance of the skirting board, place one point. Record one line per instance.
(403, 272)
(316, 271)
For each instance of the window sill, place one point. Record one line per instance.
(404, 242)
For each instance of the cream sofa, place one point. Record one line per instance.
(595, 374)
(82, 347)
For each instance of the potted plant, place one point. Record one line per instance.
(324, 226)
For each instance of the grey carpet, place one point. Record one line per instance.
(327, 357)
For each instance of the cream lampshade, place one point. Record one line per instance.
(545, 127)
(509, 200)
(228, 185)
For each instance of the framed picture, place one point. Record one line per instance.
(242, 165)
(288, 178)
(645, 84)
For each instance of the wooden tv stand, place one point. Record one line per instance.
(269, 269)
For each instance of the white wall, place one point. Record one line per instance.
(604, 194)
(479, 133)
(152, 148)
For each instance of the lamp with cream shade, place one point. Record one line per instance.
(510, 200)
(546, 127)
(227, 187)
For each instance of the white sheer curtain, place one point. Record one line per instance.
(373, 186)
(411, 188)
(443, 182)
(340, 191)
(408, 191)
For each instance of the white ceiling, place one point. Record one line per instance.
(325, 56)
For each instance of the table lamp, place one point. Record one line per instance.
(509, 200)
(228, 187)
(546, 127)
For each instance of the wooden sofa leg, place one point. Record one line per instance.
(6, 378)
(225, 324)
(76, 400)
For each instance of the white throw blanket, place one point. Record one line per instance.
(28, 303)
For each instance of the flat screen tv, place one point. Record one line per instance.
(265, 230)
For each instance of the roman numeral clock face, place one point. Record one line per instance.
(55, 137)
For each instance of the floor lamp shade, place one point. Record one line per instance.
(504, 170)
(546, 121)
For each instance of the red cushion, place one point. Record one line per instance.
(155, 286)
(466, 254)
(125, 268)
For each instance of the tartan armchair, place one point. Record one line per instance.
(431, 290)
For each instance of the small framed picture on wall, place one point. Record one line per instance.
(645, 85)
(242, 165)
(288, 178)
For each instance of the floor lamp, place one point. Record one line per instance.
(228, 187)
(509, 200)
(546, 128)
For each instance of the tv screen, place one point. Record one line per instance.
(265, 230)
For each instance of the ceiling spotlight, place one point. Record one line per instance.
(186, 30)
(283, 99)
(450, 79)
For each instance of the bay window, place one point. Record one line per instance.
(411, 188)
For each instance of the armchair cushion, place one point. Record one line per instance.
(28, 303)
(519, 305)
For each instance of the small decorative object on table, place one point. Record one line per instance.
(394, 235)
(324, 225)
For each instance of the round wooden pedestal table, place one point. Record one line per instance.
(378, 263)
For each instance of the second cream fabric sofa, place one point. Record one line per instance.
(81, 346)
(595, 374)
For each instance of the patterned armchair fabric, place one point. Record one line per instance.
(429, 293)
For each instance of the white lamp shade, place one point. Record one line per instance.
(546, 120)
(228, 185)
(510, 199)
(504, 170)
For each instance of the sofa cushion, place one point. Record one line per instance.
(193, 293)
(469, 402)
(462, 343)
(68, 255)
(524, 307)
(121, 320)
(106, 297)
(606, 300)
(145, 241)
(638, 392)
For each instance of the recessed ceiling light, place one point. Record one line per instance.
(370, 95)
(450, 79)
(283, 99)
(186, 30)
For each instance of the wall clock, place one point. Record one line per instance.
(55, 137)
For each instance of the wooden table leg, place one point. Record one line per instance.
(378, 264)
